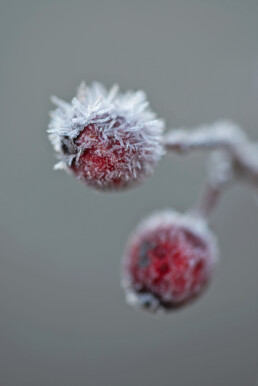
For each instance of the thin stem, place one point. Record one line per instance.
(221, 135)
(235, 156)
(220, 175)
(224, 136)
(208, 202)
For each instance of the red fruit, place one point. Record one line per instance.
(106, 139)
(168, 262)
(112, 160)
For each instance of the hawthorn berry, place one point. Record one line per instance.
(168, 262)
(106, 139)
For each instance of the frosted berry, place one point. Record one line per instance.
(106, 139)
(168, 262)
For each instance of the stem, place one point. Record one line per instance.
(235, 156)
(220, 176)
(209, 199)
(221, 135)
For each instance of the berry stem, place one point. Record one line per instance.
(221, 135)
(220, 176)
(208, 201)
(234, 157)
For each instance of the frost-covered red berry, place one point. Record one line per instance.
(106, 139)
(168, 262)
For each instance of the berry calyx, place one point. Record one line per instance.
(168, 262)
(106, 139)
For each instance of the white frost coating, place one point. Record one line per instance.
(100, 108)
(191, 222)
(222, 134)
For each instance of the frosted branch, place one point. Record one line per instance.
(235, 157)
(207, 137)
(221, 175)
(224, 136)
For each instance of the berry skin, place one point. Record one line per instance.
(106, 139)
(168, 262)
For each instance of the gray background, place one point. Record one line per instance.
(63, 319)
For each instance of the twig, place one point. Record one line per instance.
(235, 157)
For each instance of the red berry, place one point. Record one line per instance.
(109, 160)
(168, 262)
(107, 140)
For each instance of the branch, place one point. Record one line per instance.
(224, 136)
(220, 176)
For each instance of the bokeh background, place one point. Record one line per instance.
(63, 318)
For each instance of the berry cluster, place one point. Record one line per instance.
(113, 141)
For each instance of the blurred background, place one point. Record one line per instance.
(64, 320)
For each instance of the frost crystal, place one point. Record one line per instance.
(107, 139)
